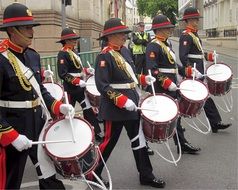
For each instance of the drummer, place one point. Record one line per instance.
(161, 60)
(21, 101)
(190, 52)
(72, 72)
(117, 83)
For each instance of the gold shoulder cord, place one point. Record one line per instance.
(196, 41)
(120, 61)
(75, 61)
(26, 85)
(164, 48)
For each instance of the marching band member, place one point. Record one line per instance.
(190, 52)
(72, 72)
(161, 60)
(23, 100)
(116, 81)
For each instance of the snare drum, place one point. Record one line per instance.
(92, 92)
(219, 77)
(71, 159)
(193, 93)
(159, 126)
(55, 90)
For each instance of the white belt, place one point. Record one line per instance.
(193, 56)
(124, 86)
(76, 74)
(163, 70)
(20, 104)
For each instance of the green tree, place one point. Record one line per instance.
(153, 7)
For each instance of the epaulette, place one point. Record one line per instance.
(106, 49)
(3, 46)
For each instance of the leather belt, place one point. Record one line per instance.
(194, 56)
(20, 104)
(124, 85)
(164, 70)
(76, 74)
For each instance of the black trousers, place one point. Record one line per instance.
(212, 112)
(140, 63)
(180, 132)
(15, 165)
(112, 133)
(88, 113)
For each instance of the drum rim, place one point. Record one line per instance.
(197, 81)
(63, 158)
(162, 94)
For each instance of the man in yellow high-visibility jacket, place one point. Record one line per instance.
(140, 40)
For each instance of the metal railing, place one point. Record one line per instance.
(52, 61)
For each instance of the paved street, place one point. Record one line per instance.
(215, 168)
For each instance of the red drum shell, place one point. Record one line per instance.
(72, 159)
(162, 128)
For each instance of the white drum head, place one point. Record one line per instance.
(61, 130)
(219, 72)
(193, 90)
(167, 108)
(91, 86)
(55, 90)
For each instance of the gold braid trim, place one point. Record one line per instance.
(120, 61)
(26, 85)
(165, 50)
(195, 41)
(75, 61)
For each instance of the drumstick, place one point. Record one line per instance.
(70, 118)
(49, 142)
(89, 64)
(147, 109)
(215, 56)
(211, 74)
(194, 70)
(51, 78)
(186, 89)
(152, 86)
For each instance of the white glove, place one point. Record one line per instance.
(172, 87)
(48, 74)
(67, 109)
(149, 79)
(130, 105)
(198, 75)
(91, 70)
(22, 143)
(82, 83)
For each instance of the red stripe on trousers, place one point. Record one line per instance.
(2, 168)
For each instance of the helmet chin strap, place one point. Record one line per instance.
(28, 40)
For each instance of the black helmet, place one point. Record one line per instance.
(161, 21)
(17, 14)
(191, 13)
(67, 34)
(113, 26)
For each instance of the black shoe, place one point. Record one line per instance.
(156, 182)
(187, 148)
(149, 151)
(99, 137)
(105, 182)
(219, 126)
